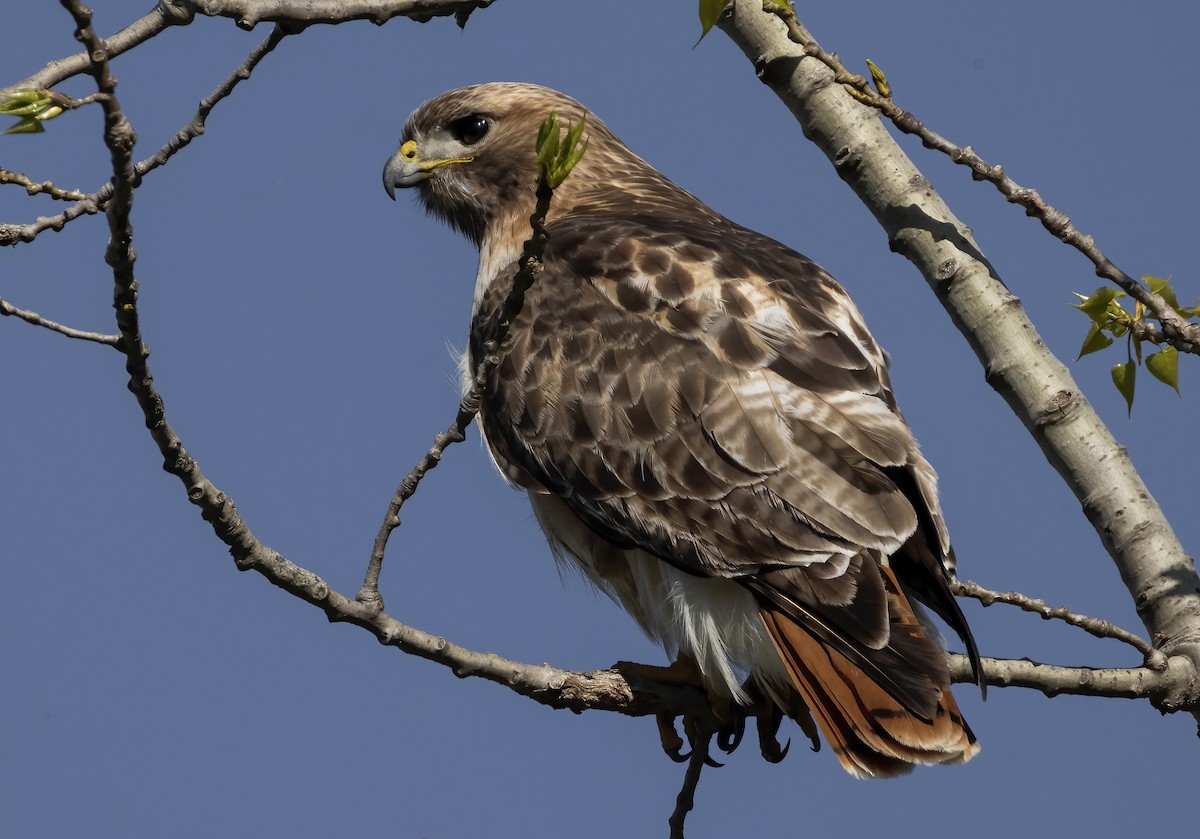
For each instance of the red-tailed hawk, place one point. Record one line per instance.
(706, 428)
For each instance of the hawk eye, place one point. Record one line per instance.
(469, 130)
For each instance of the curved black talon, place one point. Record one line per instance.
(730, 736)
(776, 755)
(672, 743)
(708, 761)
(769, 721)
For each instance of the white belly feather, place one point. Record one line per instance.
(715, 621)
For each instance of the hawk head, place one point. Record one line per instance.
(471, 152)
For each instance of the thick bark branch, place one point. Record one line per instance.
(1037, 386)
(1162, 687)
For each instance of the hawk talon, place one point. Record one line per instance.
(730, 735)
(672, 743)
(769, 719)
(779, 754)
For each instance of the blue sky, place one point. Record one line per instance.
(303, 328)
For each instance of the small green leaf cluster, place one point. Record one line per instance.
(31, 106)
(556, 154)
(1110, 320)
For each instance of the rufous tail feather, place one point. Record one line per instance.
(871, 733)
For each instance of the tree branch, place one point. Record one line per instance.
(96, 201)
(1176, 331)
(45, 187)
(1155, 660)
(7, 309)
(1161, 687)
(119, 138)
(295, 14)
(1159, 575)
(301, 13)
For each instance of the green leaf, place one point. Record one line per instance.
(1096, 306)
(1124, 377)
(880, 80)
(32, 106)
(710, 13)
(556, 156)
(1163, 289)
(574, 134)
(29, 125)
(573, 158)
(547, 142)
(24, 102)
(783, 4)
(1095, 341)
(548, 129)
(1164, 366)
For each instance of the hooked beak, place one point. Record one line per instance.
(406, 169)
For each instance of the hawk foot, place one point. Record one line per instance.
(730, 716)
(683, 671)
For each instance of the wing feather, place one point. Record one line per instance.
(732, 416)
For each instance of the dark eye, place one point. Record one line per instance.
(469, 130)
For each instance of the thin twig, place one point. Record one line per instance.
(97, 201)
(528, 266)
(686, 800)
(1098, 627)
(119, 138)
(13, 234)
(44, 187)
(169, 13)
(34, 318)
(138, 32)
(301, 13)
(1176, 331)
